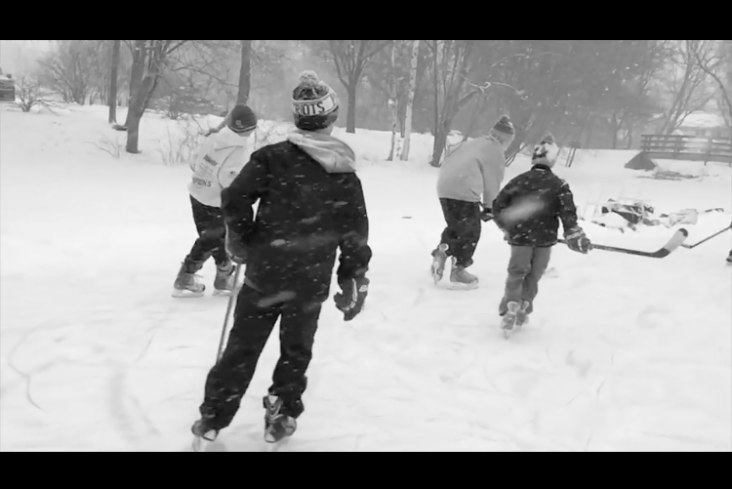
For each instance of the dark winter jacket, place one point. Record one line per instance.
(530, 206)
(311, 204)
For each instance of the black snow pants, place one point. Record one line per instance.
(463, 229)
(209, 223)
(255, 316)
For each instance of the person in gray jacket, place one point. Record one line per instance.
(469, 180)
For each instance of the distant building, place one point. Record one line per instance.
(704, 125)
(7, 88)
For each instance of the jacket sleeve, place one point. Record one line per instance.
(493, 169)
(232, 165)
(355, 251)
(238, 198)
(501, 203)
(567, 208)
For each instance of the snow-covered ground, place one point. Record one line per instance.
(624, 353)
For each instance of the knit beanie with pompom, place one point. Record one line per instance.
(546, 151)
(314, 103)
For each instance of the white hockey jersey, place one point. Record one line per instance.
(218, 161)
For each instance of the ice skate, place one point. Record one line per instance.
(522, 317)
(277, 427)
(508, 323)
(729, 258)
(186, 285)
(438, 262)
(461, 279)
(204, 434)
(224, 282)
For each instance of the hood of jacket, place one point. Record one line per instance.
(226, 138)
(334, 155)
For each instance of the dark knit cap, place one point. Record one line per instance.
(242, 119)
(314, 103)
(504, 125)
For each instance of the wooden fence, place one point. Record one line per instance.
(691, 148)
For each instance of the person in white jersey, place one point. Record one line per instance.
(218, 161)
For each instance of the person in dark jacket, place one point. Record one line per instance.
(528, 210)
(311, 205)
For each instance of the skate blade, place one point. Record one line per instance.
(275, 446)
(507, 333)
(435, 273)
(222, 293)
(186, 294)
(200, 444)
(460, 286)
(509, 325)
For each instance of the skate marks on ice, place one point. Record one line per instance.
(76, 372)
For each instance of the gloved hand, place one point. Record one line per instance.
(350, 301)
(212, 130)
(577, 240)
(235, 249)
(487, 214)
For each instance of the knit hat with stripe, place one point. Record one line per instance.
(314, 103)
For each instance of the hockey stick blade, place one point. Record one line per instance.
(676, 240)
(687, 246)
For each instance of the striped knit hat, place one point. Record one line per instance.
(314, 104)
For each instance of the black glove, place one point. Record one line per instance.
(577, 240)
(487, 214)
(235, 249)
(350, 300)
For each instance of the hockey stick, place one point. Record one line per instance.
(707, 239)
(675, 241)
(199, 443)
(229, 307)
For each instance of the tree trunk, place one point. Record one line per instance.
(245, 72)
(150, 93)
(631, 127)
(439, 143)
(410, 101)
(615, 128)
(394, 128)
(351, 116)
(139, 58)
(142, 85)
(112, 100)
(393, 94)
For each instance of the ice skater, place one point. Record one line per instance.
(528, 210)
(217, 163)
(311, 205)
(474, 171)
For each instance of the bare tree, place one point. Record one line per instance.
(410, 100)
(450, 67)
(351, 59)
(717, 63)
(28, 93)
(69, 69)
(394, 86)
(112, 96)
(245, 72)
(687, 88)
(148, 59)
